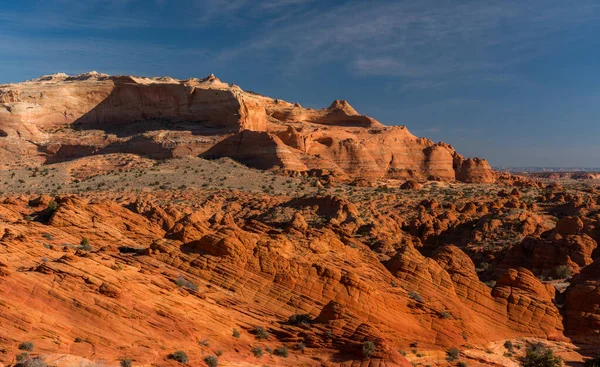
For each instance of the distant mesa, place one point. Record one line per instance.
(60, 117)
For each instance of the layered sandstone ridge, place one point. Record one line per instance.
(60, 117)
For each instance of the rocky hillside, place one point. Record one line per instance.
(58, 118)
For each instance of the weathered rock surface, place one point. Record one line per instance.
(57, 118)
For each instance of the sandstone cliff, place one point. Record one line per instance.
(58, 117)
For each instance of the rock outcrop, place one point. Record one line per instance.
(58, 117)
(582, 305)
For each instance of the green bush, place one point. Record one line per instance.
(85, 244)
(368, 348)
(281, 352)
(563, 272)
(32, 362)
(22, 357)
(126, 362)
(260, 333)
(184, 283)
(211, 361)
(540, 357)
(257, 351)
(28, 346)
(462, 364)
(52, 206)
(416, 296)
(300, 319)
(236, 333)
(179, 356)
(452, 354)
(508, 345)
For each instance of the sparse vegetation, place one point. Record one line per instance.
(444, 314)
(211, 361)
(452, 354)
(563, 272)
(508, 345)
(85, 245)
(52, 206)
(257, 351)
(300, 319)
(281, 352)
(540, 356)
(179, 356)
(416, 296)
(28, 346)
(368, 349)
(260, 333)
(126, 362)
(22, 357)
(33, 362)
(184, 283)
(236, 333)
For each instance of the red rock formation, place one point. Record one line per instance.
(582, 305)
(566, 245)
(164, 118)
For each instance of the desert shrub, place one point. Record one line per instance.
(444, 314)
(22, 357)
(462, 364)
(452, 354)
(540, 357)
(78, 340)
(184, 283)
(236, 333)
(300, 346)
(402, 352)
(416, 296)
(126, 362)
(204, 342)
(219, 353)
(260, 333)
(594, 362)
(257, 351)
(562, 272)
(179, 356)
(508, 345)
(28, 346)
(281, 352)
(52, 206)
(299, 319)
(84, 244)
(211, 361)
(368, 348)
(33, 362)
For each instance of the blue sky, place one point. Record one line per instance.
(517, 82)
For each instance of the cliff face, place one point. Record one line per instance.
(59, 117)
